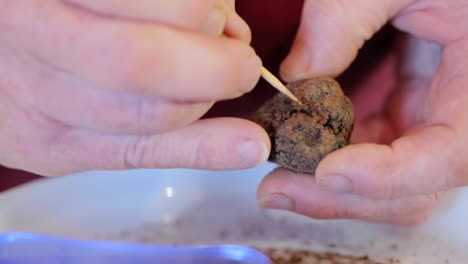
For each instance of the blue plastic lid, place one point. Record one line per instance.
(27, 248)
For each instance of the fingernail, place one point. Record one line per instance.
(252, 153)
(296, 65)
(251, 72)
(215, 22)
(277, 201)
(335, 183)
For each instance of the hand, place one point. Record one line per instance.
(100, 84)
(413, 148)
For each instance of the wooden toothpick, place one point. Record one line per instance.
(275, 82)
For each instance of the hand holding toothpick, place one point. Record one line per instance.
(276, 83)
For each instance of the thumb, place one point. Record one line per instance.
(332, 32)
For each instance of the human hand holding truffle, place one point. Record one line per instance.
(102, 84)
(407, 154)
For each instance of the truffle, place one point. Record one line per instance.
(302, 135)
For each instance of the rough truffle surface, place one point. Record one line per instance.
(302, 136)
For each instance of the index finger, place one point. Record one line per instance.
(212, 17)
(147, 59)
(187, 14)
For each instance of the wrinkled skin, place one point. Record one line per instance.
(99, 84)
(412, 144)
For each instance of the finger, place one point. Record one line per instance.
(80, 104)
(332, 32)
(146, 59)
(439, 23)
(399, 170)
(286, 190)
(200, 16)
(217, 144)
(211, 17)
(236, 27)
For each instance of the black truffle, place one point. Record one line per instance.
(302, 135)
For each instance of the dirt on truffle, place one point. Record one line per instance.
(302, 135)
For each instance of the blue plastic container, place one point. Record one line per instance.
(27, 248)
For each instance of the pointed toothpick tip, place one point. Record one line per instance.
(275, 82)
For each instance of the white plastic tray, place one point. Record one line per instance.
(187, 206)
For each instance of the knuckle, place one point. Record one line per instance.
(204, 153)
(197, 153)
(149, 117)
(135, 152)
